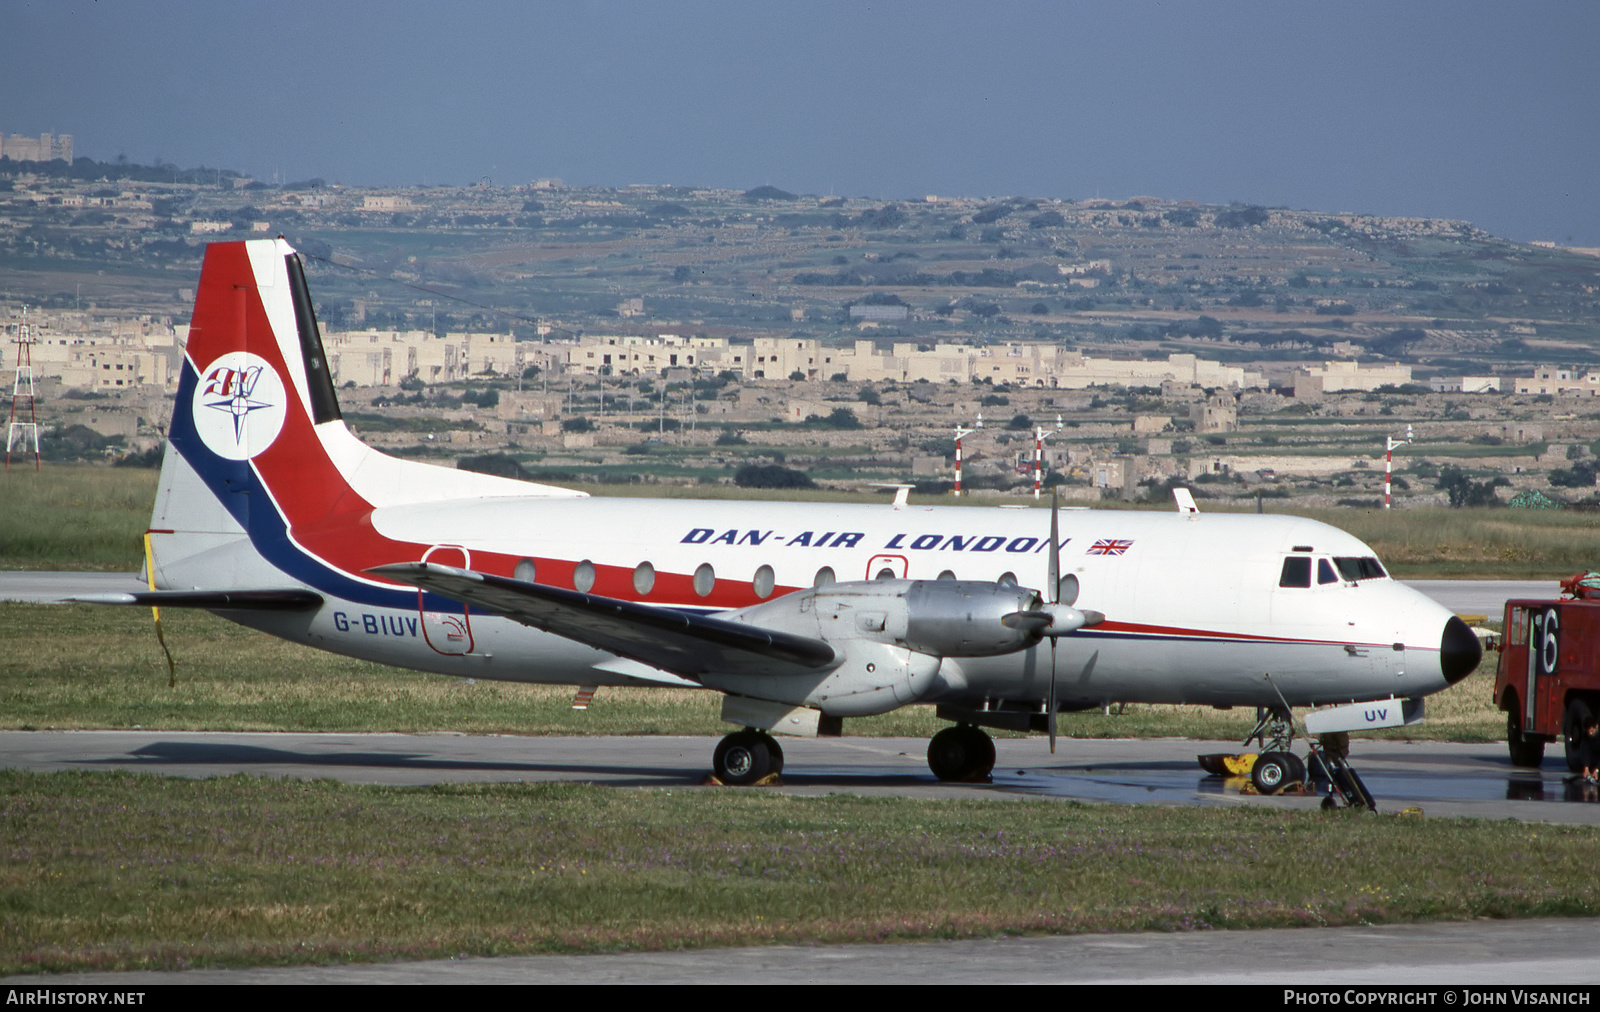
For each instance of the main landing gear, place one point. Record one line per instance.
(961, 754)
(747, 757)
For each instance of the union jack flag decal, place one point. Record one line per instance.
(1109, 546)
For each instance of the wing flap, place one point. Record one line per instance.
(685, 644)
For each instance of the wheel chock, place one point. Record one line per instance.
(1226, 764)
(770, 780)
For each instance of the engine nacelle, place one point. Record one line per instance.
(960, 618)
(891, 636)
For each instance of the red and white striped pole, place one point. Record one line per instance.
(960, 432)
(1038, 458)
(958, 462)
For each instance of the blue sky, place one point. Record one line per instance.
(1484, 111)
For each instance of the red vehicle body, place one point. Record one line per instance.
(1548, 678)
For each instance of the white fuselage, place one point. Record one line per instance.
(1194, 610)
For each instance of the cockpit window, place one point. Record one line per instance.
(1354, 569)
(1325, 573)
(1296, 572)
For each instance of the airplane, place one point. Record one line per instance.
(270, 512)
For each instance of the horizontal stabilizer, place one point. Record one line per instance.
(215, 600)
(686, 644)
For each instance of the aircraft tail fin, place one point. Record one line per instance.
(258, 446)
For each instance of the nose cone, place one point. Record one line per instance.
(1459, 651)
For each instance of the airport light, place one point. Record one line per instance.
(1388, 461)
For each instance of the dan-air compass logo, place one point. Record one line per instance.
(239, 405)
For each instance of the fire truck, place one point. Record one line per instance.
(1548, 679)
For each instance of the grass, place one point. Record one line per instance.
(1458, 544)
(75, 516)
(124, 871)
(82, 666)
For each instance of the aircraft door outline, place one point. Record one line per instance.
(448, 632)
(896, 565)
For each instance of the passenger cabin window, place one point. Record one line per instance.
(1325, 573)
(1296, 572)
(1354, 569)
(583, 577)
(764, 583)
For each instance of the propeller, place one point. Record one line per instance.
(1052, 618)
(1076, 619)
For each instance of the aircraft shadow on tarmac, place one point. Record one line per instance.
(178, 753)
(224, 755)
(229, 754)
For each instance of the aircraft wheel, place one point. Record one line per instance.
(1525, 749)
(776, 751)
(961, 753)
(1297, 769)
(742, 758)
(1274, 771)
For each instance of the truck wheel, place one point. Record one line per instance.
(1572, 733)
(1525, 749)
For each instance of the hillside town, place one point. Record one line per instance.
(679, 334)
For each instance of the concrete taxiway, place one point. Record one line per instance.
(1454, 957)
(1475, 780)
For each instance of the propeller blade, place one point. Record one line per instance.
(1055, 546)
(1050, 711)
(1058, 613)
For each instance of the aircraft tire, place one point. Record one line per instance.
(742, 758)
(776, 751)
(1274, 771)
(1297, 769)
(961, 754)
(1525, 749)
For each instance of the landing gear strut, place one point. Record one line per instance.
(963, 753)
(1274, 729)
(747, 757)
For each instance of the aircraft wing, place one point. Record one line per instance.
(682, 643)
